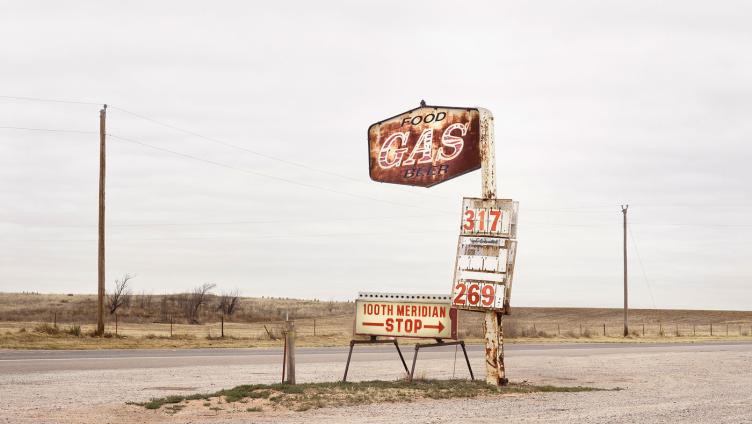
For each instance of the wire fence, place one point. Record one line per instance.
(513, 329)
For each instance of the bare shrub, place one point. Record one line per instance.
(228, 303)
(192, 302)
(73, 330)
(46, 329)
(511, 329)
(121, 295)
(145, 300)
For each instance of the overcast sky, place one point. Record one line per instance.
(597, 104)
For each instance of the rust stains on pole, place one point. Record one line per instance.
(492, 322)
(487, 154)
(100, 264)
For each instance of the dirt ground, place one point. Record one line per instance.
(701, 383)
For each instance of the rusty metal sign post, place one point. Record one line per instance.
(492, 322)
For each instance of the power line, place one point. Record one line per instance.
(642, 267)
(235, 146)
(39, 99)
(179, 224)
(262, 237)
(48, 130)
(263, 175)
(254, 152)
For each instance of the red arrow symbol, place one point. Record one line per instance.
(374, 324)
(439, 327)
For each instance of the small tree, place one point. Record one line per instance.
(195, 299)
(228, 303)
(121, 295)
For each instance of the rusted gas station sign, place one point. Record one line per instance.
(405, 315)
(425, 146)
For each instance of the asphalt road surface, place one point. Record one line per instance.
(31, 361)
(673, 382)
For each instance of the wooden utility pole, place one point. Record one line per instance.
(626, 297)
(290, 348)
(100, 267)
(492, 322)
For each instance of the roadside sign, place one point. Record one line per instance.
(405, 315)
(491, 217)
(486, 252)
(425, 146)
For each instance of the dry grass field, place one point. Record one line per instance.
(58, 321)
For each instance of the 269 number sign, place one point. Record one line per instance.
(476, 294)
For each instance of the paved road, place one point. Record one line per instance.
(34, 361)
(676, 382)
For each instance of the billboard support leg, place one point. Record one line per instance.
(402, 358)
(440, 343)
(349, 355)
(415, 359)
(372, 340)
(467, 360)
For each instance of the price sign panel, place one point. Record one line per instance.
(485, 254)
(490, 217)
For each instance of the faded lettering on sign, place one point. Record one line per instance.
(405, 319)
(424, 146)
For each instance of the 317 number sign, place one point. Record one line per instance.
(485, 221)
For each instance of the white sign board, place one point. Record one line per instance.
(485, 254)
(405, 317)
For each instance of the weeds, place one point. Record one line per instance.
(73, 330)
(303, 397)
(46, 329)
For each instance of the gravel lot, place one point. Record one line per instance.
(703, 383)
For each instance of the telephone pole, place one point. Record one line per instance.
(100, 265)
(626, 325)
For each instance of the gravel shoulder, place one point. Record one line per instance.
(702, 383)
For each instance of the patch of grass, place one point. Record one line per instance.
(303, 397)
(73, 330)
(46, 328)
(254, 409)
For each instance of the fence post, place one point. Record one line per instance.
(558, 329)
(290, 342)
(677, 329)
(116, 324)
(314, 326)
(694, 332)
(711, 329)
(222, 330)
(643, 329)
(660, 329)
(535, 330)
(604, 329)
(54, 320)
(580, 329)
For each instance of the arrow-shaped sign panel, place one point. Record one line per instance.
(405, 319)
